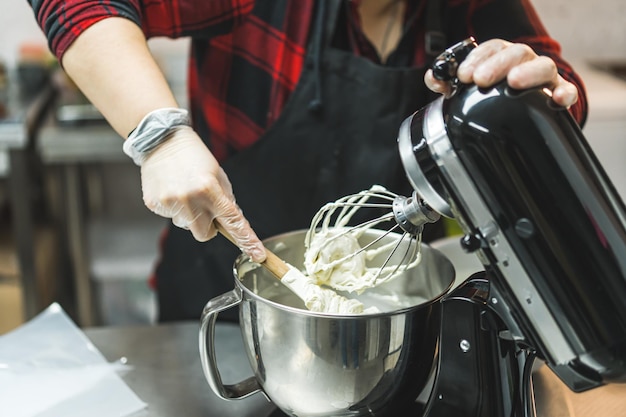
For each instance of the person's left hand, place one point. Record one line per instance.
(494, 60)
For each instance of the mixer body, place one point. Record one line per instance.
(540, 212)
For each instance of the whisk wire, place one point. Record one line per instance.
(336, 254)
(404, 263)
(328, 254)
(370, 244)
(349, 206)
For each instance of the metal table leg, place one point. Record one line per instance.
(19, 135)
(78, 246)
(24, 230)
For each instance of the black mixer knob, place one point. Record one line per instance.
(445, 66)
(471, 243)
(524, 228)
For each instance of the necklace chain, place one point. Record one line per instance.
(390, 23)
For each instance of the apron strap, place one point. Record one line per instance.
(323, 30)
(330, 11)
(435, 36)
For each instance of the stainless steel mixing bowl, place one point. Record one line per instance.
(315, 364)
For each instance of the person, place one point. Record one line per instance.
(293, 103)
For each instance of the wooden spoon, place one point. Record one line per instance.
(272, 262)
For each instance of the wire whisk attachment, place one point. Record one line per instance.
(337, 253)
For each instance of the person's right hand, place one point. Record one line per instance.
(495, 60)
(182, 180)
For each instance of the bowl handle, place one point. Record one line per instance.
(236, 391)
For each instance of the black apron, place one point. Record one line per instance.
(314, 153)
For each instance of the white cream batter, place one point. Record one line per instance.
(320, 299)
(333, 255)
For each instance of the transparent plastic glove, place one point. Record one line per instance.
(182, 180)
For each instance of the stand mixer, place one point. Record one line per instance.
(539, 211)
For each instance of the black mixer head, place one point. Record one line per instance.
(536, 206)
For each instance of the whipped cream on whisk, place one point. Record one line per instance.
(335, 258)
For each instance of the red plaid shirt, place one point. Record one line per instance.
(247, 55)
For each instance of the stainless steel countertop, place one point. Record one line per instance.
(166, 372)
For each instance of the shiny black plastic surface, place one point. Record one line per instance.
(479, 373)
(559, 211)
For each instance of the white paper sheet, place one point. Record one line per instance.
(49, 368)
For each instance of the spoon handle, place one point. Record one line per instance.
(272, 262)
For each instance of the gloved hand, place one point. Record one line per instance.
(497, 59)
(182, 180)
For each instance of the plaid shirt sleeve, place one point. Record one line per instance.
(64, 20)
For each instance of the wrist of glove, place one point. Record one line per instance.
(155, 128)
(183, 181)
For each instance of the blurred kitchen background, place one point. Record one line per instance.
(73, 227)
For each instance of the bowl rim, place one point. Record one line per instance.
(243, 258)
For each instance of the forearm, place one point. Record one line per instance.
(112, 65)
